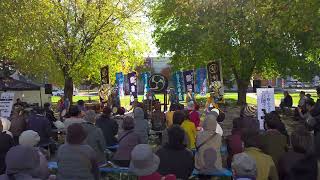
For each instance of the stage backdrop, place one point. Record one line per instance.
(132, 79)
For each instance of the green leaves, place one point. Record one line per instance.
(72, 38)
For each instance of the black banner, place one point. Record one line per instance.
(104, 72)
(213, 70)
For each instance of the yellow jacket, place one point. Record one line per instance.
(191, 131)
(266, 168)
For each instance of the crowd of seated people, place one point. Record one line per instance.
(191, 142)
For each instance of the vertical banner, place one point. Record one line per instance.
(188, 80)
(177, 78)
(132, 79)
(120, 83)
(201, 81)
(145, 79)
(214, 73)
(104, 72)
(265, 101)
(6, 103)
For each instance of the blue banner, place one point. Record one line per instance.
(120, 83)
(145, 78)
(177, 78)
(201, 81)
(188, 80)
(132, 79)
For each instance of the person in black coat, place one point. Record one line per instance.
(50, 114)
(108, 126)
(175, 158)
(287, 101)
(6, 142)
(307, 167)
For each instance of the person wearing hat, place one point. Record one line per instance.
(77, 160)
(108, 126)
(21, 162)
(32, 138)
(144, 164)
(243, 167)
(141, 126)
(95, 138)
(208, 144)
(127, 139)
(248, 120)
(6, 143)
(175, 158)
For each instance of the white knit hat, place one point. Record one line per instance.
(29, 138)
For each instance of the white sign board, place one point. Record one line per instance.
(6, 103)
(265, 101)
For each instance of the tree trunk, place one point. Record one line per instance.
(68, 87)
(242, 91)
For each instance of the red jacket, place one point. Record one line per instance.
(194, 117)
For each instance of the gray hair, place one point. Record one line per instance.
(90, 116)
(244, 165)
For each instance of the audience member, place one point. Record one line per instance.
(266, 168)
(169, 115)
(302, 100)
(248, 118)
(308, 167)
(234, 141)
(287, 101)
(6, 125)
(301, 142)
(273, 142)
(6, 142)
(95, 138)
(81, 106)
(31, 138)
(178, 118)
(190, 130)
(158, 118)
(119, 118)
(40, 124)
(141, 126)
(50, 114)
(208, 145)
(243, 167)
(194, 115)
(18, 123)
(108, 126)
(75, 117)
(174, 157)
(21, 162)
(144, 163)
(127, 139)
(75, 159)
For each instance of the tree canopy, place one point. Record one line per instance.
(68, 41)
(272, 38)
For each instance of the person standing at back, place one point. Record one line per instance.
(108, 126)
(18, 123)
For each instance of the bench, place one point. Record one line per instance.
(123, 170)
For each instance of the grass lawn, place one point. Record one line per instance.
(231, 98)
